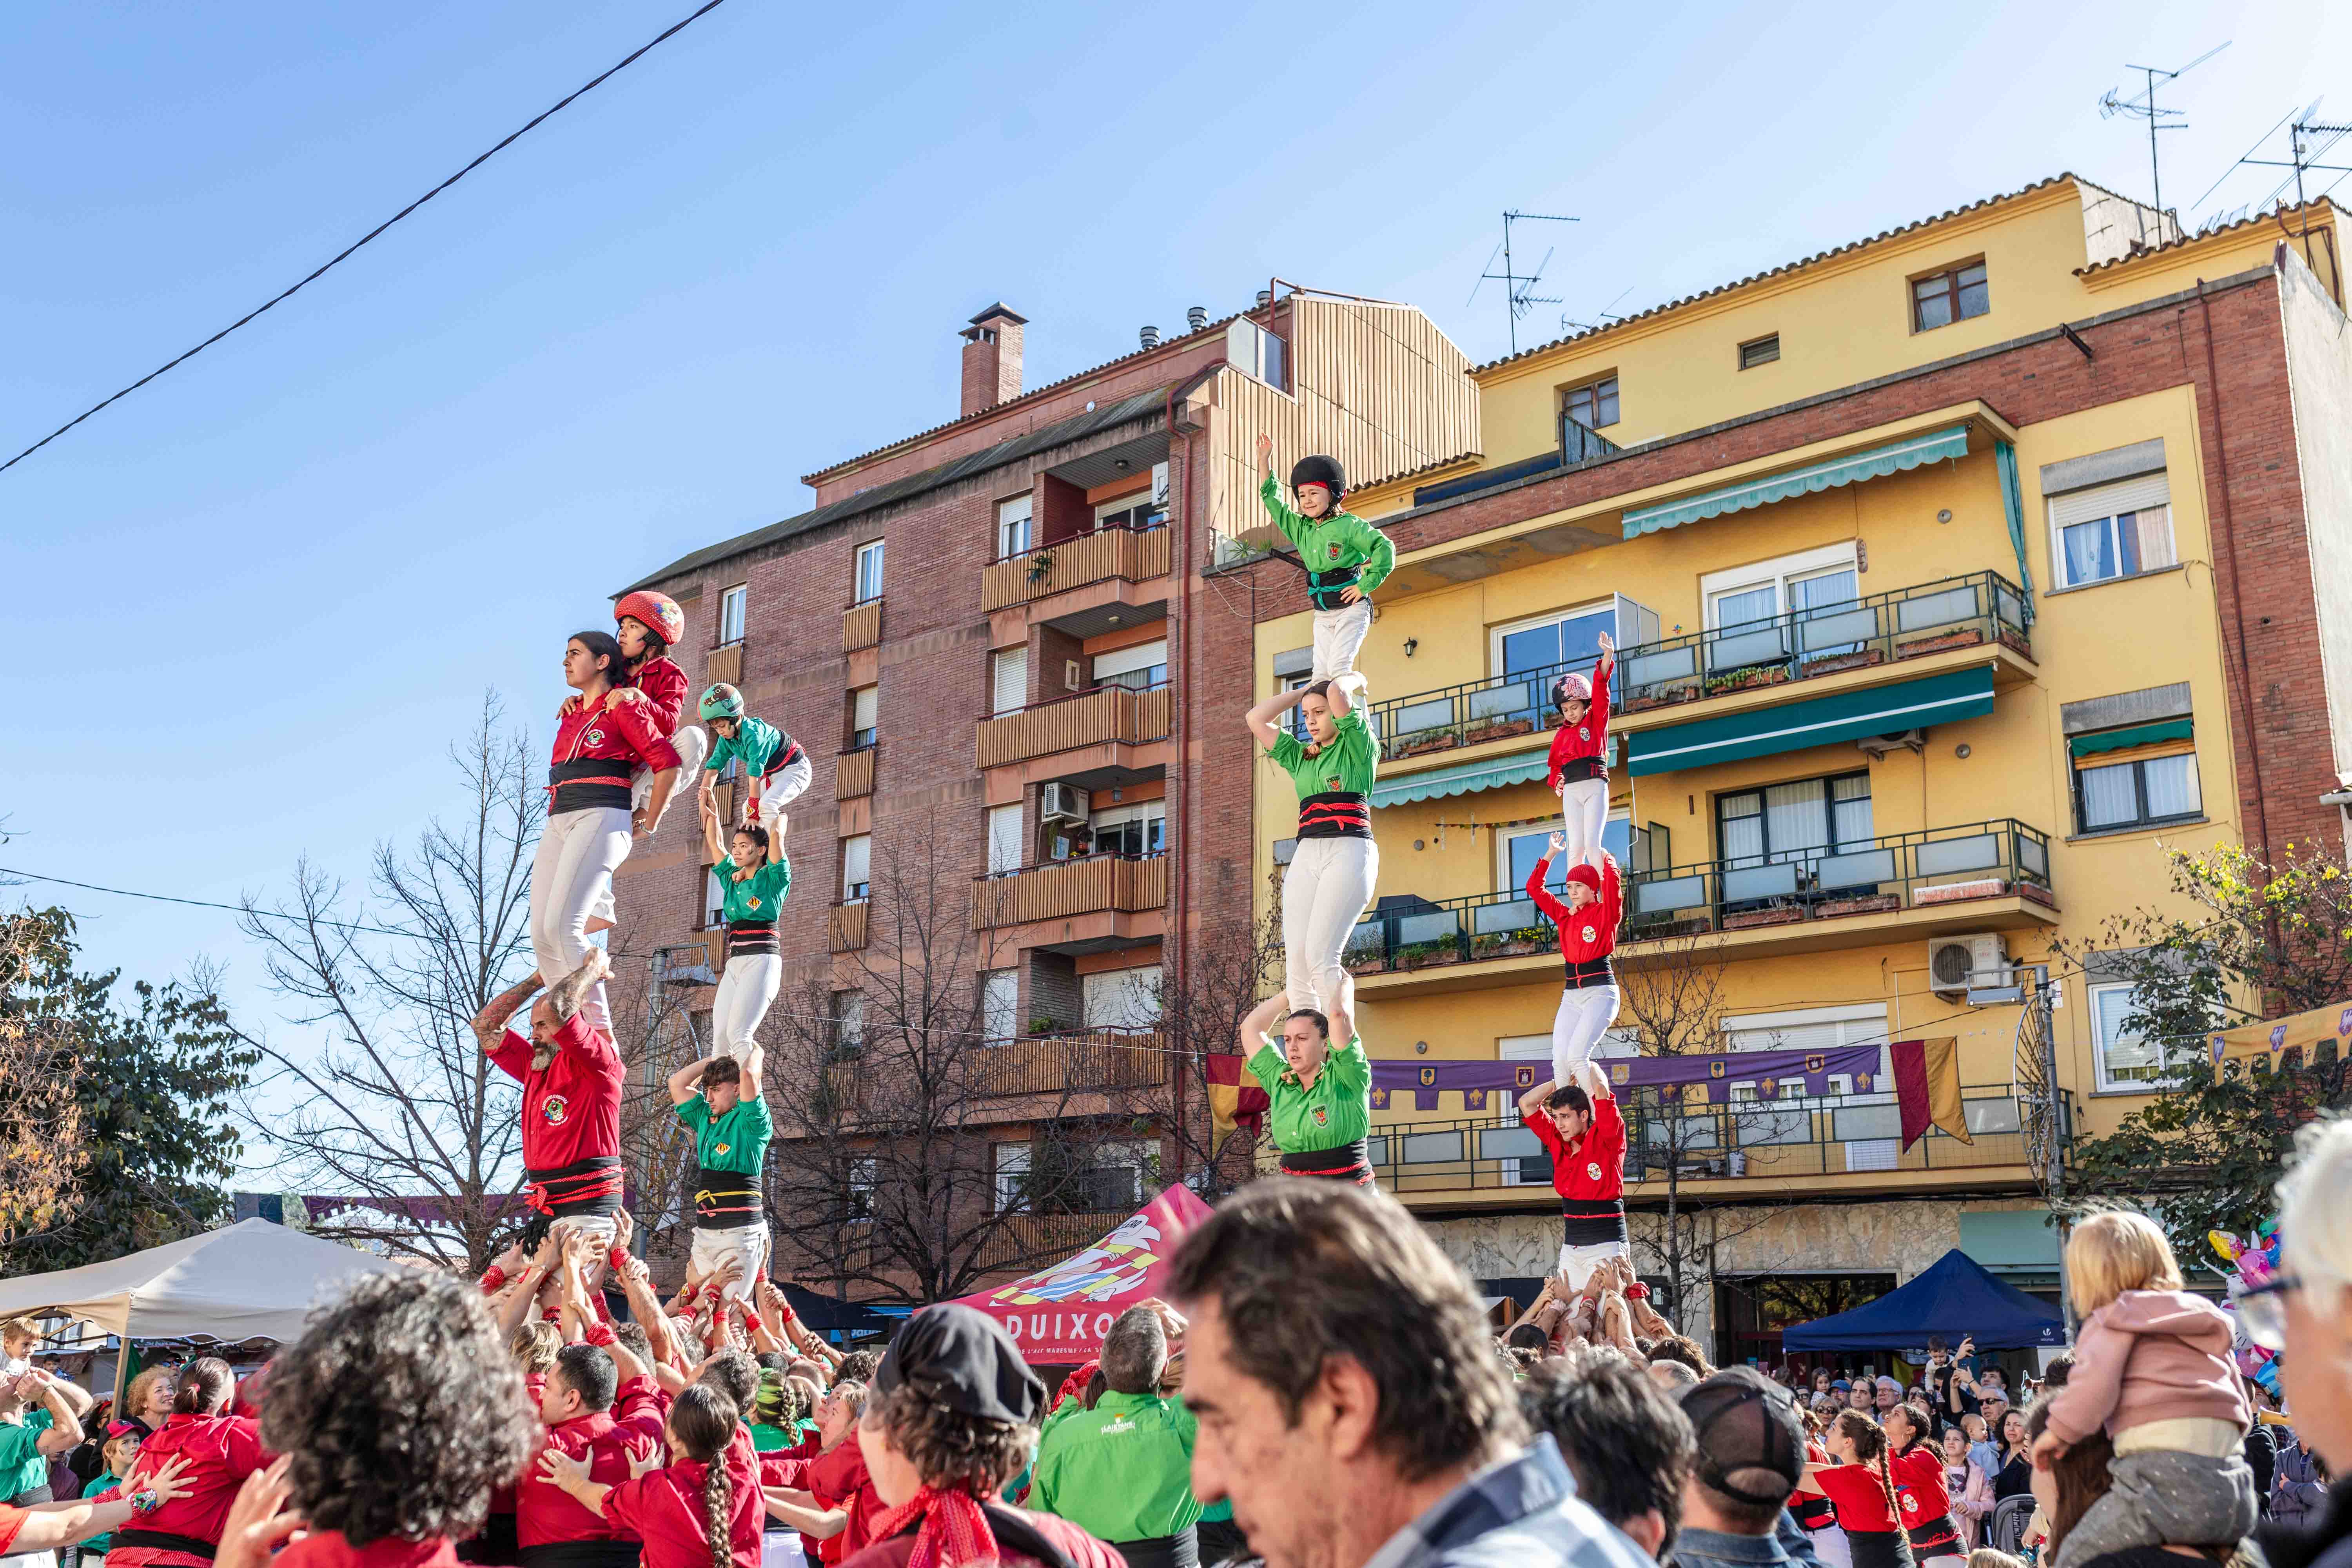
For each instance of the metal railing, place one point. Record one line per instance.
(1115, 551)
(1742, 1139)
(1469, 713)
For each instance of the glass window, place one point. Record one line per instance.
(862, 1174)
(1008, 680)
(1014, 530)
(1139, 667)
(1574, 638)
(714, 894)
(1139, 512)
(1011, 1176)
(2126, 1058)
(1525, 849)
(1592, 406)
(2126, 794)
(856, 868)
(1948, 297)
(1799, 821)
(1121, 998)
(1256, 353)
(848, 1020)
(1000, 1004)
(2112, 530)
(864, 716)
(1130, 829)
(1003, 839)
(870, 571)
(1813, 582)
(730, 614)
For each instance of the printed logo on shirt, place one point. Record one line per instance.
(554, 1108)
(1331, 552)
(1322, 1116)
(1590, 935)
(1910, 1503)
(596, 737)
(1592, 1170)
(1584, 732)
(721, 1148)
(1117, 1423)
(752, 902)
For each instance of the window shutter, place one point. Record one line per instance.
(864, 708)
(1010, 681)
(1003, 838)
(1126, 660)
(2149, 490)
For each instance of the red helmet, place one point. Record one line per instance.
(658, 612)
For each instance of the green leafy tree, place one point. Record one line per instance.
(2255, 943)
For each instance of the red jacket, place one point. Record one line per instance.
(572, 1108)
(627, 733)
(1860, 1494)
(1925, 1501)
(837, 1479)
(1591, 932)
(545, 1512)
(220, 1451)
(1017, 1531)
(1586, 741)
(665, 1510)
(1594, 1170)
(664, 686)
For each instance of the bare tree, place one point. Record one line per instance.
(1228, 971)
(394, 1104)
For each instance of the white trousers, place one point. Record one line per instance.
(691, 745)
(712, 1247)
(1578, 1262)
(1338, 635)
(574, 868)
(783, 786)
(1323, 896)
(1584, 808)
(1585, 1014)
(746, 987)
(1831, 1547)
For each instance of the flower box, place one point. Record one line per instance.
(1747, 680)
(1426, 740)
(1965, 636)
(1427, 955)
(1787, 914)
(1663, 931)
(1663, 697)
(1959, 892)
(1502, 732)
(1864, 904)
(1835, 662)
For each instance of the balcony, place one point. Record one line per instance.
(852, 773)
(1107, 885)
(1979, 876)
(861, 625)
(1097, 1059)
(1719, 1152)
(1104, 555)
(845, 927)
(1033, 1240)
(1106, 715)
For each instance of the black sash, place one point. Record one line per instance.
(725, 1200)
(1935, 1538)
(1346, 1162)
(591, 1187)
(1181, 1550)
(1334, 813)
(747, 937)
(1585, 973)
(1323, 589)
(582, 1554)
(163, 1540)
(1591, 1222)
(587, 783)
(1580, 768)
(1879, 1549)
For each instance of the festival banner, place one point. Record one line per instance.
(1237, 1099)
(2283, 1040)
(1061, 1314)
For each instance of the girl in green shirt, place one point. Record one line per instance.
(1321, 1098)
(1335, 865)
(754, 878)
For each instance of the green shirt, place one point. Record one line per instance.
(752, 743)
(1333, 1115)
(757, 896)
(97, 1544)
(1122, 1471)
(20, 1453)
(1333, 542)
(1350, 763)
(736, 1142)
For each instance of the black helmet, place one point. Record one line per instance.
(1319, 470)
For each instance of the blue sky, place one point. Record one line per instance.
(266, 592)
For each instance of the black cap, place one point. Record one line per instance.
(1319, 470)
(1745, 1421)
(961, 1358)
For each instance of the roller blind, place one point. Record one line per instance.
(2110, 500)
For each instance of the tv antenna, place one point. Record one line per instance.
(1606, 313)
(2145, 106)
(2309, 140)
(1519, 287)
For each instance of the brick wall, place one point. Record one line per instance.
(1050, 989)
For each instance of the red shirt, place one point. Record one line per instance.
(1588, 737)
(664, 1510)
(664, 686)
(628, 732)
(328, 1548)
(1860, 1494)
(837, 1479)
(1588, 933)
(1918, 1473)
(571, 1108)
(220, 1451)
(1594, 1170)
(1013, 1528)
(12, 1520)
(545, 1512)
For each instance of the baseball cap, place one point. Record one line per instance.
(1841, 1384)
(1745, 1421)
(964, 1359)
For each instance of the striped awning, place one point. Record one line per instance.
(2135, 735)
(1933, 446)
(1463, 778)
(1793, 726)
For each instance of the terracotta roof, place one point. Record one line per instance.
(2273, 215)
(1429, 468)
(1786, 267)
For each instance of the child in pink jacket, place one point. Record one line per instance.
(2152, 1366)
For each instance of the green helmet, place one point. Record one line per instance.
(722, 701)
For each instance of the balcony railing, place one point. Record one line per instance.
(1095, 1059)
(852, 773)
(1124, 552)
(1832, 1135)
(861, 625)
(1945, 864)
(845, 927)
(1110, 712)
(1884, 629)
(1123, 883)
(1034, 1239)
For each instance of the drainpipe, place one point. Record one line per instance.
(2237, 596)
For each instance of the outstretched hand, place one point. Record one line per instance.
(259, 1521)
(1265, 453)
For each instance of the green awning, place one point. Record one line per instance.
(1793, 726)
(2137, 735)
(1463, 778)
(1828, 475)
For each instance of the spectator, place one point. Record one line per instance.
(2015, 1474)
(221, 1450)
(1820, 1380)
(1749, 1456)
(1122, 1471)
(1984, 1449)
(2066, 1487)
(1623, 1437)
(700, 1510)
(1336, 1362)
(1969, 1487)
(2305, 1312)
(2299, 1486)
(2261, 1451)
(17, 1337)
(950, 1418)
(40, 1419)
(121, 1451)
(1888, 1395)
(1858, 1398)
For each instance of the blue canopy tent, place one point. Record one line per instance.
(1953, 1296)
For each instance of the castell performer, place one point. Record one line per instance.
(1579, 773)
(1345, 557)
(1336, 863)
(775, 769)
(1588, 935)
(755, 876)
(1320, 1097)
(1579, 1127)
(571, 1078)
(647, 626)
(719, 1097)
(589, 828)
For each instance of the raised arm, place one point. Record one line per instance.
(1339, 694)
(752, 1065)
(570, 994)
(65, 1421)
(707, 804)
(1606, 666)
(1535, 1097)
(685, 1083)
(1262, 718)
(489, 1025)
(1543, 896)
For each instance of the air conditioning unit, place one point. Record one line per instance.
(1955, 963)
(1063, 803)
(1904, 740)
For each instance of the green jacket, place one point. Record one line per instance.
(20, 1453)
(1350, 763)
(1122, 1471)
(1333, 1115)
(107, 1487)
(736, 1142)
(1333, 542)
(756, 897)
(753, 742)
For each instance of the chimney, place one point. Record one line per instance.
(1196, 316)
(1148, 337)
(992, 358)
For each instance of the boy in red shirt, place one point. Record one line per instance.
(1578, 1126)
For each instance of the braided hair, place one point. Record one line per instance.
(703, 1421)
(1870, 1445)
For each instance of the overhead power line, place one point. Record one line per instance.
(344, 254)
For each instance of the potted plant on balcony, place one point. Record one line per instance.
(1429, 954)
(1663, 695)
(1953, 637)
(1443, 739)
(1830, 664)
(1743, 680)
(1497, 729)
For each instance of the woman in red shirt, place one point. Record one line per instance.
(700, 1510)
(1579, 773)
(1588, 935)
(1920, 1489)
(1863, 1491)
(647, 625)
(220, 1449)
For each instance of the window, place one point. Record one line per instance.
(1296, 718)
(1014, 530)
(1003, 839)
(849, 1022)
(1256, 353)
(1008, 682)
(1117, 1174)
(1138, 668)
(1948, 296)
(730, 613)
(870, 571)
(714, 895)
(864, 715)
(2128, 1060)
(1759, 351)
(859, 1197)
(1869, 1125)
(856, 868)
(2138, 794)
(1571, 637)
(1516, 852)
(1592, 406)
(1803, 822)
(1000, 1004)
(1130, 829)
(1807, 582)
(1012, 1160)
(2112, 530)
(1121, 998)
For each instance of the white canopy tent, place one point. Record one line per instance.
(251, 1280)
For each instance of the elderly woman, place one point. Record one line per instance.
(952, 1415)
(2305, 1312)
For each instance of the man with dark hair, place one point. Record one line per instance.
(858, 1366)
(1122, 1469)
(720, 1099)
(551, 1527)
(1751, 1454)
(1339, 1365)
(1580, 1127)
(734, 1373)
(1624, 1438)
